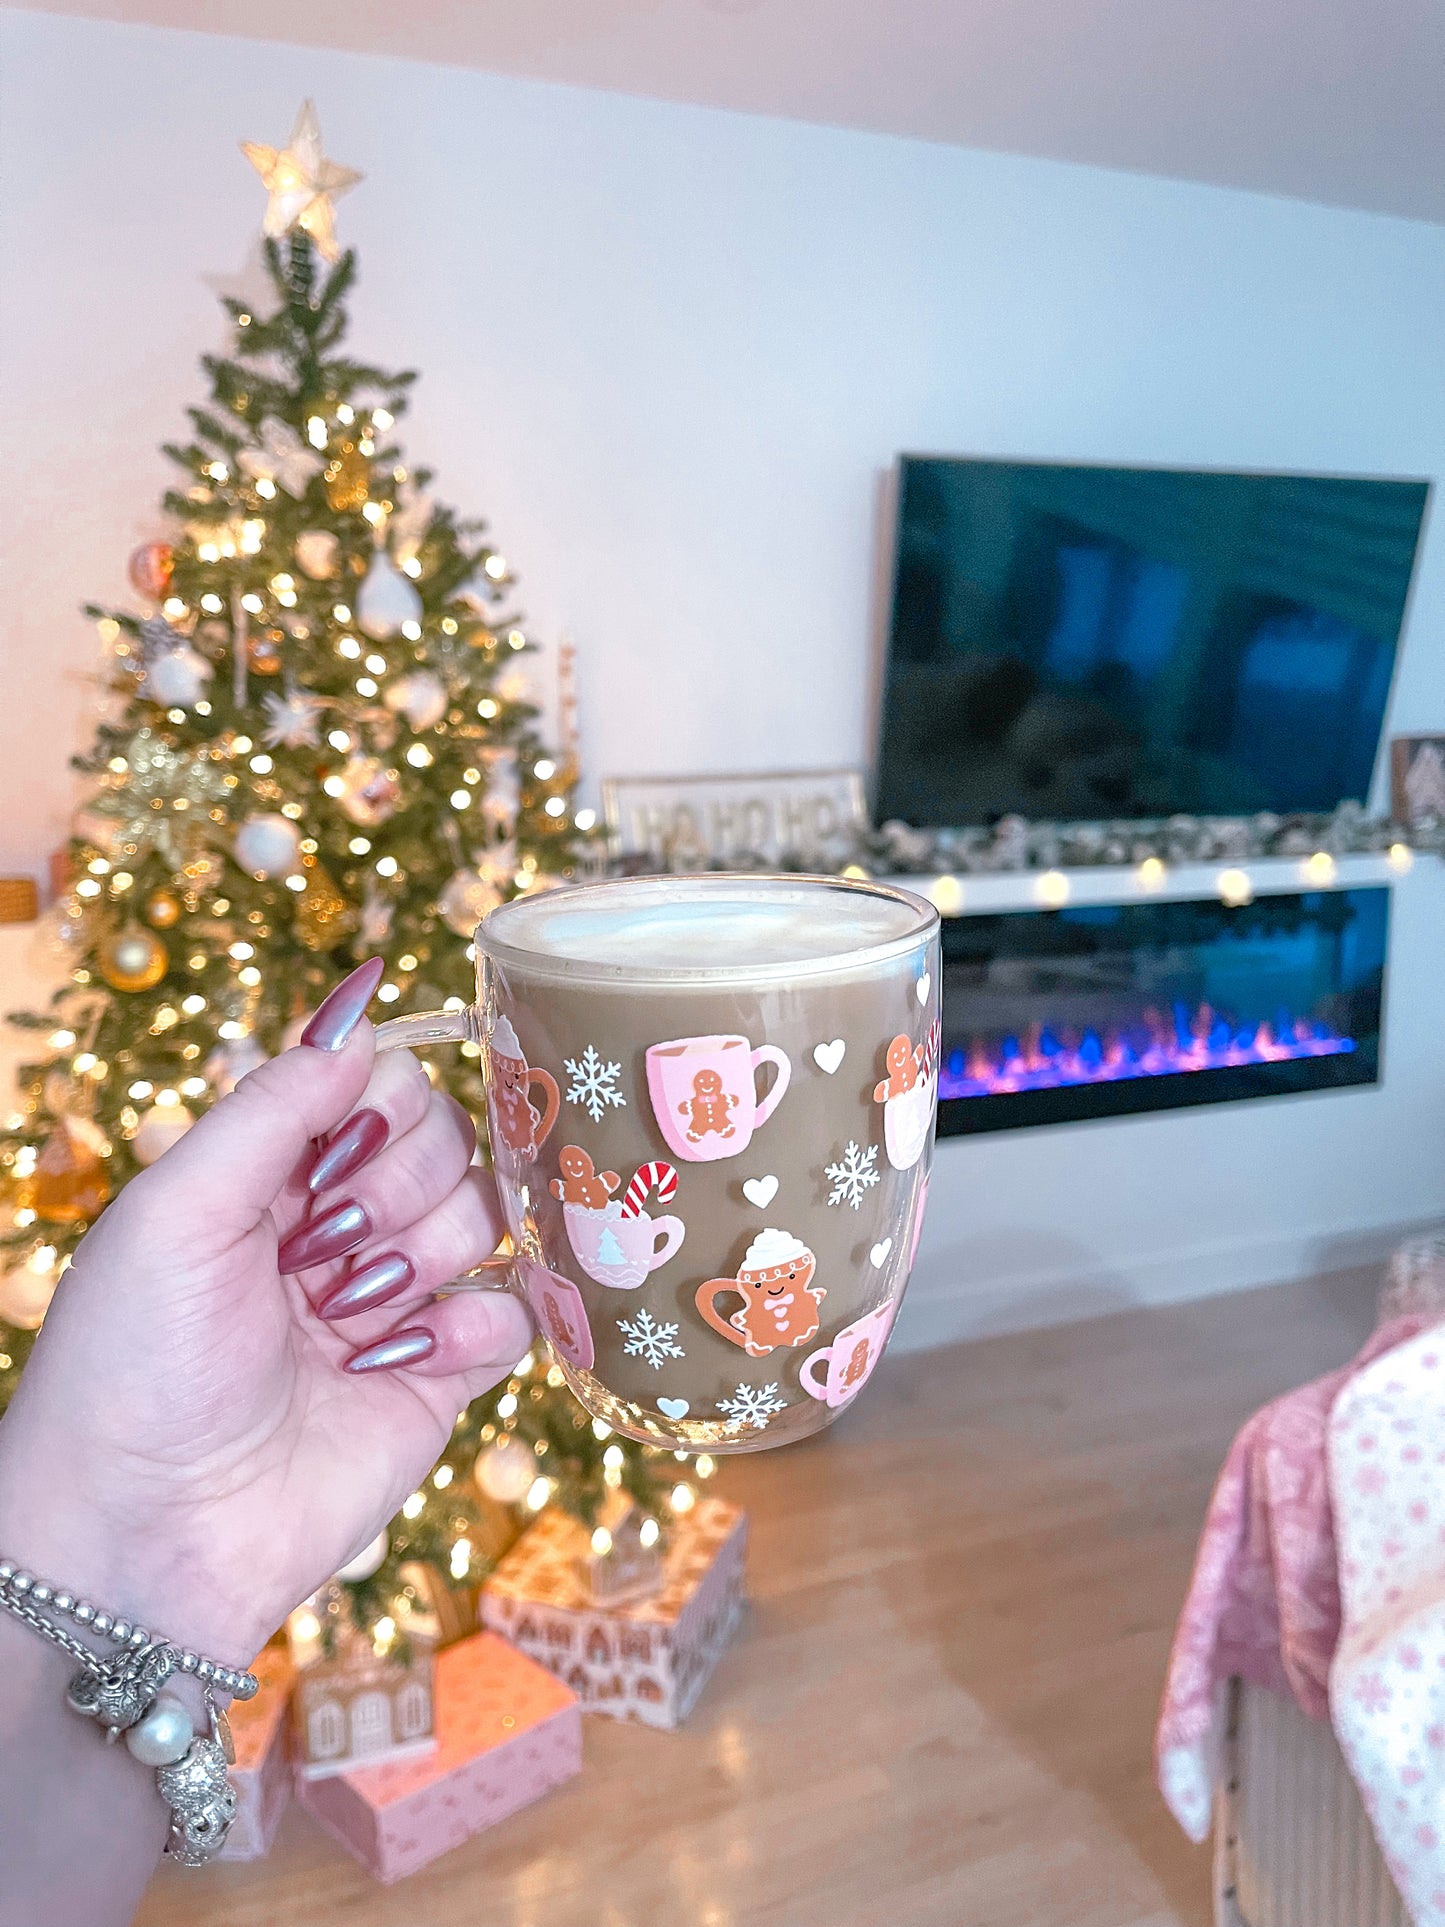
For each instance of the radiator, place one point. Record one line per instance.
(1292, 1846)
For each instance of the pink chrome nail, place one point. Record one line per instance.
(331, 1235)
(344, 1009)
(360, 1138)
(397, 1348)
(374, 1284)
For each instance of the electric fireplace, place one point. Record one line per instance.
(1050, 1016)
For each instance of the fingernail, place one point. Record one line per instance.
(344, 1008)
(335, 1232)
(359, 1138)
(376, 1283)
(398, 1348)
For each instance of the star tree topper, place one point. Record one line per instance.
(302, 183)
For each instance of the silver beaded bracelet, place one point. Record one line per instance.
(124, 1694)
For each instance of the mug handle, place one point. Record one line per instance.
(675, 1231)
(499, 1272)
(707, 1296)
(765, 1106)
(550, 1108)
(805, 1379)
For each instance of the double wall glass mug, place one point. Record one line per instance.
(710, 1102)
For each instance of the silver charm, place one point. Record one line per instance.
(122, 1694)
(202, 1803)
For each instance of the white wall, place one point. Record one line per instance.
(671, 353)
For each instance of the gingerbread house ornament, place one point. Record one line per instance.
(353, 1705)
(623, 1560)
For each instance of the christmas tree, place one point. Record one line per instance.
(315, 746)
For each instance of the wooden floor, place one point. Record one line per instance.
(940, 1711)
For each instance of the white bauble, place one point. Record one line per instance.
(465, 900)
(229, 1063)
(421, 697)
(268, 846)
(371, 791)
(25, 1296)
(177, 679)
(363, 1564)
(505, 1471)
(317, 553)
(386, 599)
(160, 1127)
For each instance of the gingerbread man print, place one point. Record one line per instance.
(707, 1109)
(580, 1183)
(901, 1061)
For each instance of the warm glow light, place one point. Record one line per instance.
(495, 567)
(359, 845)
(87, 887)
(538, 1493)
(336, 786)
(388, 993)
(365, 686)
(544, 770)
(506, 1405)
(412, 631)
(1401, 858)
(212, 604)
(349, 647)
(1235, 887)
(486, 708)
(1319, 868)
(193, 1005)
(704, 1466)
(1052, 889)
(601, 1542)
(648, 1533)
(614, 1456)
(683, 1499)
(461, 799)
(140, 1090)
(1151, 874)
(461, 1558)
(419, 756)
(386, 866)
(377, 665)
(442, 1477)
(555, 806)
(584, 819)
(316, 431)
(411, 1508)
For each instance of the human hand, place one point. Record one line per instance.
(191, 1444)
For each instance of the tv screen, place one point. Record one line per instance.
(1080, 642)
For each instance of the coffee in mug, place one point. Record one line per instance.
(710, 1102)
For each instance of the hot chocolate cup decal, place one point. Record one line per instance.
(907, 1095)
(704, 1093)
(838, 1372)
(523, 1129)
(780, 1302)
(560, 1313)
(614, 1240)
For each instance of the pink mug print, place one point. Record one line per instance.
(617, 1250)
(704, 1094)
(849, 1360)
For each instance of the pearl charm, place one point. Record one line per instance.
(163, 1736)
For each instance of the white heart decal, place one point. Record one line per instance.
(760, 1191)
(878, 1256)
(829, 1056)
(673, 1407)
(922, 987)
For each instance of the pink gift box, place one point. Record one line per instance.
(261, 1776)
(647, 1659)
(507, 1732)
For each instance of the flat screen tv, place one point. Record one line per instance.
(1079, 642)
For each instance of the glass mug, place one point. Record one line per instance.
(710, 1102)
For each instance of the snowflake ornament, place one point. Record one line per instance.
(852, 1175)
(648, 1339)
(292, 720)
(594, 1083)
(752, 1405)
(282, 457)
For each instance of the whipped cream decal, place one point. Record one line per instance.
(780, 1301)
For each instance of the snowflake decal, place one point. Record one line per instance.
(752, 1405)
(648, 1339)
(852, 1174)
(593, 1083)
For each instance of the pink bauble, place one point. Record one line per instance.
(149, 569)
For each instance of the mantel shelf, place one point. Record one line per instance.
(974, 895)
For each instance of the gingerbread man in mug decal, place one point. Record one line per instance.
(780, 1301)
(519, 1125)
(581, 1182)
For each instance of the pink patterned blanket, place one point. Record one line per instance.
(1264, 1599)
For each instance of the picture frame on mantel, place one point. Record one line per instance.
(699, 822)
(1417, 780)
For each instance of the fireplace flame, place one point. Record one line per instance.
(1198, 1040)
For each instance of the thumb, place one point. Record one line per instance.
(241, 1153)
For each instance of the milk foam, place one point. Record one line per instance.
(708, 923)
(771, 1248)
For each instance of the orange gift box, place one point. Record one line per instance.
(643, 1660)
(507, 1732)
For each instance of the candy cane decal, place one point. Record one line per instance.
(657, 1176)
(615, 1240)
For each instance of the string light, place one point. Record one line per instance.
(412, 568)
(419, 756)
(442, 1477)
(241, 744)
(1401, 858)
(601, 1429)
(486, 709)
(262, 764)
(365, 686)
(341, 612)
(1319, 868)
(87, 887)
(544, 770)
(1234, 887)
(538, 1493)
(345, 414)
(585, 819)
(412, 1507)
(683, 1499)
(377, 665)
(495, 567)
(1151, 874)
(506, 1405)
(601, 1542)
(648, 1533)
(614, 1456)
(1052, 889)
(212, 604)
(555, 806)
(359, 845)
(386, 866)
(296, 883)
(193, 1005)
(382, 419)
(412, 631)
(388, 993)
(241, 951)
(349, 647)
(461, 799)
(86, 1061)
(461, 1558)
(252, 603)
(316, 431)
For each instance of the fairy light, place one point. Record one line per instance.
(601, 1542)
(538, 1493)
(946, 895)
(231, 1030)
(208, 552)
(460, 799)
(1052, 890)
(495, 567)
(411, 567)
(194, 1087)
(359, 845)
(262, 764)
(349, 647)
(382, 419)
(486, 708)
(1401, 858)
(86, 1061)
(365, 686)
(25, 1157)
(377, 665)
(140, 1090)
(516, 639)
(544, 770)
(442, 1477)
(704, 1465)
(307, 1626)
(412, 631)
(1319, 868)
(449, 625)
(555, 806)
(250, 976)
(1151, 874)
(383, 1633)
(241, 951)
(296, 883)
(212, 604)
(683, 1499)
(412, 1507)
(241, 744)
(193, 1005)
(24, 1219)
(252, 603)
(218, 472)
(173, 608)
(601, 1429)
(386, 866)
(648, 1534)
(336, 786)
(167, 1098)
(461, 1560)
(121, 882)
(316, 431)
(253, 530)
(339, 739)
(345, 414)
(1235, 888)
(506, 1405)
(373, 511)
(342, 612)
(419, 756)
(42, 1259)
(87, 887)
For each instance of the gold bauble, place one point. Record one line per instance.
(348, 478)
(324, 917)
(163, 908)
(69, 1183)
(263, 653)
(133, 959)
